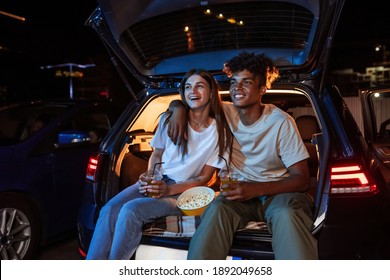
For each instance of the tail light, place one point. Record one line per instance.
(82, 253)
(92, 167)
(351, 179)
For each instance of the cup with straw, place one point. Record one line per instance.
(151, 175)
(227, 177)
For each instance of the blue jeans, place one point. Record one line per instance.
(118, 230)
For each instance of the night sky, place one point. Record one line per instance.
(54, 33)
(362, 26)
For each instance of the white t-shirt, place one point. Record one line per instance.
(202, 149)
(264, 150)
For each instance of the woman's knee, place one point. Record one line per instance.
(139, 208)
(132, 206)
(109, 209)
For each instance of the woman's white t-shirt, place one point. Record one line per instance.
(202, 149)
(264, 150)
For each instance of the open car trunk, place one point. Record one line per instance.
(175, 232)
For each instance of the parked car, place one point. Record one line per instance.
(44, 151)
(158, 43)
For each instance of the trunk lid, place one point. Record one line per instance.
(159, 41)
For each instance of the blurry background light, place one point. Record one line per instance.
(231, 20)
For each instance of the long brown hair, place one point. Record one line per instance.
(225, 138)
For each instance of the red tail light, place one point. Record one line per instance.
(82, 253)
(351, 179)
(92, 167)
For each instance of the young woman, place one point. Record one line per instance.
(119, 228)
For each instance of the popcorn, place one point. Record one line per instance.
(197, 200)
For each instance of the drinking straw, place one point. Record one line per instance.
(227, 166)
(157, 163)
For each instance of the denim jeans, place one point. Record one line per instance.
(288, 216)
(118, 230)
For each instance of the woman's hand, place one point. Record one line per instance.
(158, 189)
(142, 184)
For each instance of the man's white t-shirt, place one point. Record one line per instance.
(202, 149)
(264, 150)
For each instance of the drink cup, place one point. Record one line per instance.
(149, 176)
(228, 177)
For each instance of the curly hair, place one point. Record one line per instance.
(258, 64)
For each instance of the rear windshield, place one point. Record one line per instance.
(220, 27)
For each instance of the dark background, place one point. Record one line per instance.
(362, 26)
(54, 33)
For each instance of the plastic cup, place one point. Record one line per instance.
(228, 177)
(149, 176)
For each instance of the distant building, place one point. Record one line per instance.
(349, 81)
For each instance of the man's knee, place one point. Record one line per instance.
(213, 209)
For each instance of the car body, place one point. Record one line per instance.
(158, 43)
(42, 172)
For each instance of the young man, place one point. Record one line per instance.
(271, 159)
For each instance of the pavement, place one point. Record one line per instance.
(63, 250)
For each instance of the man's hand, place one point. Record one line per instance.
(177, 125)
(240, 191)
(298, 181)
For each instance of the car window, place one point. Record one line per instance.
(89, 119)
(10, 127)
(220, 27)
(380, 108)
(19, 123)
